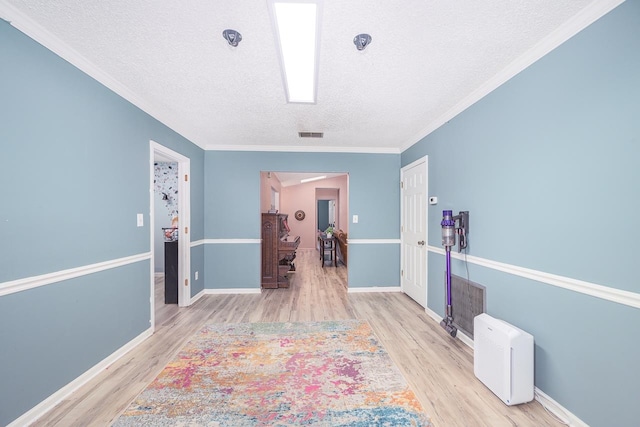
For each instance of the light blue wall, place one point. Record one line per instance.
(52, 334)
(197, 218)
(197, 265)
(75, 172)
(232, 266)
(378, 264)
(232, 211)
(547, 165)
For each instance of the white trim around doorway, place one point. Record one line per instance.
(184, 214)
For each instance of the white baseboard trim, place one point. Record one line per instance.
(49, 403)
(257, 291)
(196, 297)
(19, 285)
(608, 293)
(433, 314)
(232, 291)
(464, 338)
(554, 407)
(460, 335)
(374, 289)
(558, 410)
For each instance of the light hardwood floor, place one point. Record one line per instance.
(438, 368)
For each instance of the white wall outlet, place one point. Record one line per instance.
(196, 275)
(140, 220)
(355, 219)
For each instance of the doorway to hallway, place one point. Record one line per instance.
(313, 202)
(176, 197)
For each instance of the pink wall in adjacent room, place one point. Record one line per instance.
(303, 197)
(266, 183)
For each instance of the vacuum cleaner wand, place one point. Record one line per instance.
(449, 232)
(448, 240)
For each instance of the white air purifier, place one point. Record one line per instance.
(503, 359)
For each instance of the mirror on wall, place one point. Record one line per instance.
(275, 199)
(326, 214)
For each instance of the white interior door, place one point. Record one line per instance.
(414, 230)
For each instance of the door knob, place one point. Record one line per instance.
(421, 243)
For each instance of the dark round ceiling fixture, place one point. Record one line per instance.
(299, 215)
(232, 37)
(361, 41)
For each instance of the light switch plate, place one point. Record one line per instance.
(355, 219)
(140, 220)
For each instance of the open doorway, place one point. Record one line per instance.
(299, 195)
(170, 219)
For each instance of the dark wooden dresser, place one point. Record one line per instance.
(171, 272)
(278, 251)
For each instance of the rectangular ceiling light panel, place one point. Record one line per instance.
(315, 178)
(297, 28)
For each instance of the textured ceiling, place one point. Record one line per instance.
(427, 61)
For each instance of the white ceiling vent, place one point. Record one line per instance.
(311, 134)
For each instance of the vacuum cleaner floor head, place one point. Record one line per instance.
(447, 325)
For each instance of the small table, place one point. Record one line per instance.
(328, 244)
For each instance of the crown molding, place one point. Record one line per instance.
(577, 23)
(35, 31)
(306, 149)
(32, 29)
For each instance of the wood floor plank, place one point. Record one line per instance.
(438, 368)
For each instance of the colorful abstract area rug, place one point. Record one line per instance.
(279, 374)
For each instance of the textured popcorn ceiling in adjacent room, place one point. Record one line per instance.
(428, 61)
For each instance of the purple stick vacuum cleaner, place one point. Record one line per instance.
(449, 232)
